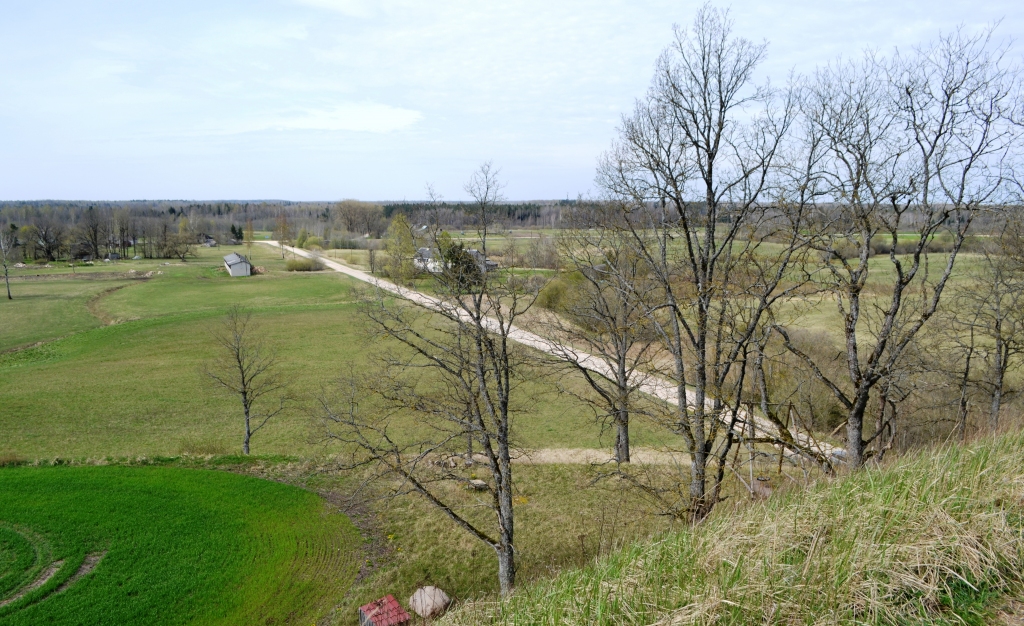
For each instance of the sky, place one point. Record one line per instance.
(333, 99)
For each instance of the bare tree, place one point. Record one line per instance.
(93, 231)
(605, 315)
(450, 367)
(693, 170)
(283, 230)
(8, 241)
(912, 149)
(247, 369)
(49, 236)
(248, 236)
(485, 188)
(179, 246)
(989, 306)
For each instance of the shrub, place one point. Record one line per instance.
(554, 295)
(303, 265)
(313, 242)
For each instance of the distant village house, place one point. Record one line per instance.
(427, 260)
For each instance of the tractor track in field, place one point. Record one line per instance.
(40, 580)
(93, 305)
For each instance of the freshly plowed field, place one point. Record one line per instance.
(150, 545)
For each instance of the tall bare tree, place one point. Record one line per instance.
(450, 366)
(604, 315)
(247, 368)
(486, 189)
(693, 169)
(911, 149)
(49, 235)
(93, 231)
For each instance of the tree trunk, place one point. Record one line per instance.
(7, 281)
(506, 528)
(997, 387)
(855, 431)
(248, 434)
(622, 436)
(622, 413)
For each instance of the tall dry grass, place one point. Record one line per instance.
(935, 537)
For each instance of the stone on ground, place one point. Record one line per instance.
(429, 602)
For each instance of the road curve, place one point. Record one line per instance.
(651, 385)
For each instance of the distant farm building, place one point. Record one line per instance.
(384, 612)
(237, 265)
(427, 260)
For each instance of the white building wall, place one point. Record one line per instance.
(238, 269)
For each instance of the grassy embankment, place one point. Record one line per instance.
(174, 546)
(936, 537)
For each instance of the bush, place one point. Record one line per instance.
(303, 265)
(313, 242)
(345, 244)
(554, 295)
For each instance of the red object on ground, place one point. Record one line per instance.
(384, 612)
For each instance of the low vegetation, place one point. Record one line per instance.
(937, 537)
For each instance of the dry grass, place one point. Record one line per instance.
(934, 538)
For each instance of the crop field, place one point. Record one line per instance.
(157, 545)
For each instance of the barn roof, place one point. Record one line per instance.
(234, 259)
(385, 612)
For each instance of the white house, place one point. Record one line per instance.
(237, 265)
(426, 260)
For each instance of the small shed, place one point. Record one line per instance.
(384, 612)
(237, 265)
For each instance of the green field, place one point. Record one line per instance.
(175, 546)
(134, 387)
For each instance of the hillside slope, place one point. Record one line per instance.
(935, 537)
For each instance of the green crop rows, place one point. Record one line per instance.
(170, 546)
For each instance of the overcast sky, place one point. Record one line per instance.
(331, 99)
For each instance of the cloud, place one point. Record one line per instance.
(367, 117)
(352, 8)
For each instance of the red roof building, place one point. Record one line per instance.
(384, 612)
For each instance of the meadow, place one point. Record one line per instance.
(121, 373)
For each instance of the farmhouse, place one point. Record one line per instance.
(237, 265)
(427, 260)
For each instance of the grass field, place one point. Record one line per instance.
(177, 546)
(135, 387)
(118, 375)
